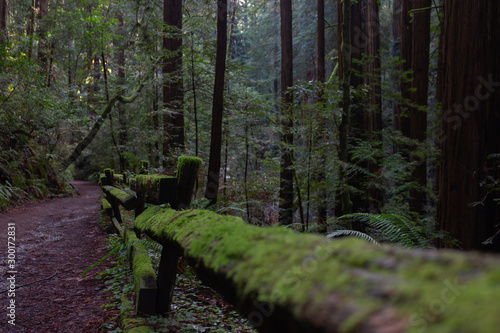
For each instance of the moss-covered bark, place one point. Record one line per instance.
(289, 282)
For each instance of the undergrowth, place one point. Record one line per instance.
(195, 307)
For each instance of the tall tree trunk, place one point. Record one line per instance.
(415, 41)
(419, 95)
(43, 9)
(122, 115)
(406, 58)
(345, 73)
(321, 74)
(3, 22)
(470, 123)
(218, 104)
(352, 123)
(173, 88)
(373, 122)
(286, 173)
(396, 52)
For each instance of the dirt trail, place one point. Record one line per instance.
(55, 241)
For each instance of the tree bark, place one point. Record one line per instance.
(345, 74)
(373, 121)
(321, 74)
(212, 188)
(173, 88)
(406, 58)
(3, 22)
(419, 95)
(286, 173)
(122, 114)
(396, 52)
(471, 118)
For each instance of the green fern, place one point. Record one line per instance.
(354, 233)
(392, 228)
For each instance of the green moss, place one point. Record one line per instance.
(141, 262)
(120, 194)
(443, 291)
(188, 165)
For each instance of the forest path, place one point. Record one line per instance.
(55, 240)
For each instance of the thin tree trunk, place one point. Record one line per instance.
(345, 199)
(173, 89)
(406, 58)
(373, 123)
(419, 95)
(321, 73)
(195, 100)
(3, 22)
(396, 52)
(212, 188)
(286, 173)
(122, 114)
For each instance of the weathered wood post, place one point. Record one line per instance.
(109, 177)
(144, 169)
(187, 171)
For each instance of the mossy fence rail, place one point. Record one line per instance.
(289, 282)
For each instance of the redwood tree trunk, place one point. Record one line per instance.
(406, 57)
(470, 123)
(3, 21)
(352, 43)
(396, 52)
(122, 115)
(419, 95)
(321, 73)
(415, 41)
(373, 114)
(173, 88)
(218, 104)
(286, 173)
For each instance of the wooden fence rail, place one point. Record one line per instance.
(289, 282)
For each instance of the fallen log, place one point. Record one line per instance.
(288, 282)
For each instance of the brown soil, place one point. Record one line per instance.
(55, 240)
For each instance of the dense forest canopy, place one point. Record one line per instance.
(375, 118)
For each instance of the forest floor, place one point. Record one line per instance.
(55, 241)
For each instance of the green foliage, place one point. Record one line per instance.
(354, 233)
(391, 228)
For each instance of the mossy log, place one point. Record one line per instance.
(125, 199)
(288, 282)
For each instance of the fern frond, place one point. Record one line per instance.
(395, 228)
(354, 233)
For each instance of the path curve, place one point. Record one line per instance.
(55, 240)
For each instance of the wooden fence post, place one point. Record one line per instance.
(187, 171)
(167, 273)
